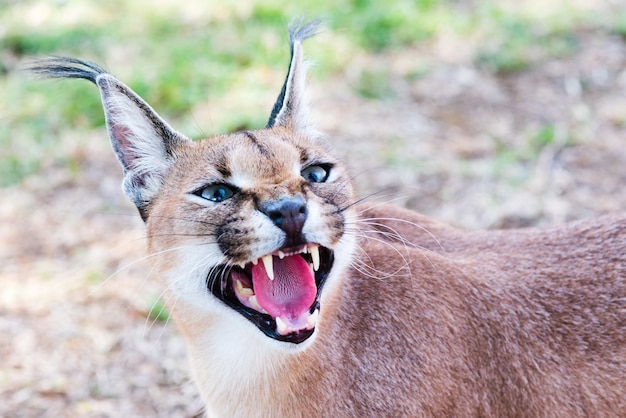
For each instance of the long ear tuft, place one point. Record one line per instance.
(291, 109)
(144, 143)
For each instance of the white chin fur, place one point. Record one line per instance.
(223, 345)
(226, 330)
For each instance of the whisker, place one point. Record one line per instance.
(154, 319)
(395, 249)
(363, 199)
(424, 252)
(186, 219)
(196, 270)
(139, 260)
(368, 221)
(186, 235)
(381, 203)
(166, 217)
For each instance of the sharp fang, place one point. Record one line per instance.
(255, 262)
(255, 304)
(242, 290)
(312, 319)
(315, 256)
(281, 327)
(268, 263)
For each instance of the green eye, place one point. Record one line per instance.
(216, 192)
(316, 173)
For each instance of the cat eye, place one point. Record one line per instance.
(216, 192)
(316, 173)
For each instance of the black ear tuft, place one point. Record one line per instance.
(65, 67)
(142, 141)
(290, 108)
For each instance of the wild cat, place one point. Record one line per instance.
(296, 300)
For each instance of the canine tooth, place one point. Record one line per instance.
(255, 262)
(281, 327)
(268, 263)
(312, 319)
(255, 304)
(315, 256)
(242, 290)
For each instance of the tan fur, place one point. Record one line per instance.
(416, 318)
(429, 321)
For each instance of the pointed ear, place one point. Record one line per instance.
(291, 109)
(143, 142)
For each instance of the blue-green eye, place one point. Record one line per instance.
(316, 173)
(216, 192)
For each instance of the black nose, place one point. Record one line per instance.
(289, 214)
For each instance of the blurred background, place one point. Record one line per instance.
(483, 114)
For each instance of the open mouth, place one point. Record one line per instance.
(279, 292)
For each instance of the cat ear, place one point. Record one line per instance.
(291, 109)
(142, 141)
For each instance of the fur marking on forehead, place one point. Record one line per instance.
(264, 158)
(262, 147)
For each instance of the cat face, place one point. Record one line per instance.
(252, 225)
(256, 221)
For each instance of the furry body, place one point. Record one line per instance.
(297, 302)
(526, 323)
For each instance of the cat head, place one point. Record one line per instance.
(247, 228)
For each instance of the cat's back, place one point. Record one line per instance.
(574, 267)
(539, 311)
(603, 233)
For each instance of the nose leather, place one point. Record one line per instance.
(289, 214)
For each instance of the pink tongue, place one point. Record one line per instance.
(291, 292)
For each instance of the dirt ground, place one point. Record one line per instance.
(77, 339)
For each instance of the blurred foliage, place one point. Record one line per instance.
(517, 43)
(375, 84)
(210, 67)
(618, 23)
(158, 311)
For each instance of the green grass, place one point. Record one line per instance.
(518, 42)
(209, 67)
(526, 152)
(617, 23)
(158, 311)
(375, 84)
